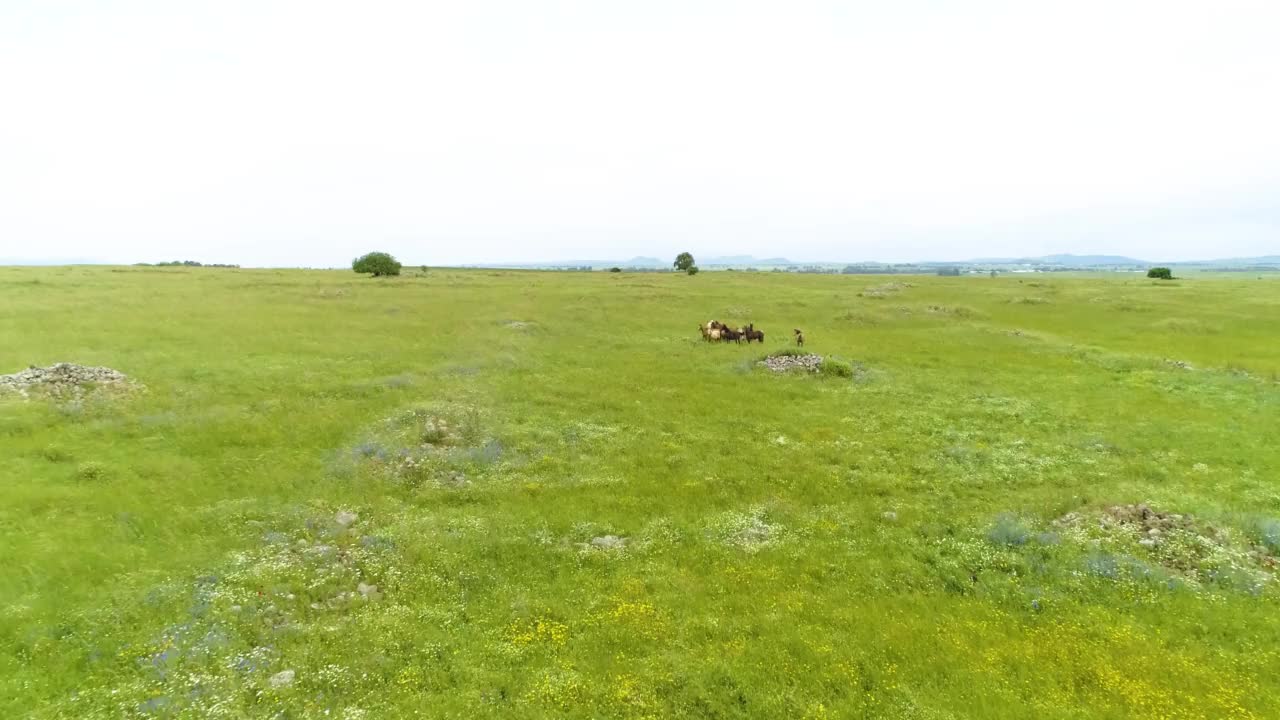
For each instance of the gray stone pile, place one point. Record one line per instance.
(63, 380)
(783, 363)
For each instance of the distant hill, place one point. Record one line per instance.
(744, 260)
(1261, 261)
(1064, 259)
(642, 261)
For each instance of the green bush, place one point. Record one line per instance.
(377, 263)
(1160, 273)
(615, 269)
(90, 471)
(832, 367)
(692, 270)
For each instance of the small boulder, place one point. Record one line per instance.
(284, 678)
(346, 518)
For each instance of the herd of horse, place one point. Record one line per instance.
(716, 331)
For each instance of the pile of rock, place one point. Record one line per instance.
(1150, 524)
(63, 380)
(783, 363)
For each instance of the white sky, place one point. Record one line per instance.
(305, 133)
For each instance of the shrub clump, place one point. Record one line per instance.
(1008, 531)
(90, 471)
(1160, 273)
(377, 264)
(833, 367)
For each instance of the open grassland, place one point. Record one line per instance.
(355, 498)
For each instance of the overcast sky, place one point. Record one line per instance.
(305, 133)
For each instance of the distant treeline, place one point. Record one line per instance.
(185, 263)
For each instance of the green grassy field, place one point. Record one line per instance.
(928, 539)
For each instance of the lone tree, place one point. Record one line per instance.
(684, 261)
(377, 263)
(1160, 273)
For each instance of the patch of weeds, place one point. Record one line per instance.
(370, 450)
(958, 311)
(55, 454)
(487, 454)
(1120, 567)
(91, 471)
(1177, 544)
(1267, 533)
(1031, 300)
(879, 292)
(859, 317)
(1007, 530)
(750, 531)
(834, 367)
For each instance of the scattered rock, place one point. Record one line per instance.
(284, 678)
(608, 542)
(890, 516)
(64, 380)
(784, 363)
(1144, 519)
(345, 518)
(1180, 364)
(369, 592)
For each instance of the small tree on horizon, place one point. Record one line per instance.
(1160, 273)
(684, 261)
(377, 264)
